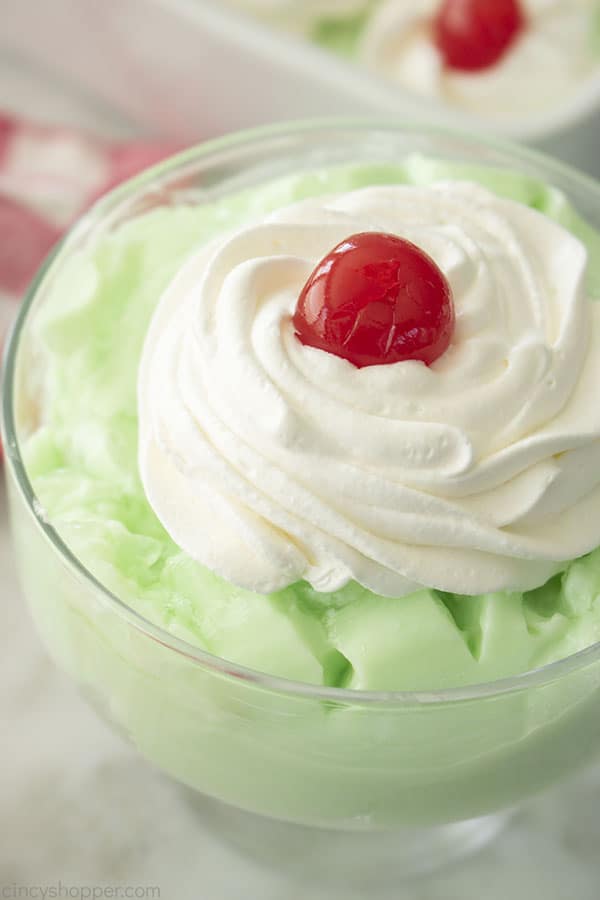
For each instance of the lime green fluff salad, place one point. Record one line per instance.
(342, 36)
(83, 464)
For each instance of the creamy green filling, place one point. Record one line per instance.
(83, 465)
(341, 36)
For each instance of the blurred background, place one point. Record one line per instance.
(91, 93)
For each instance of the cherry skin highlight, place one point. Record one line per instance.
(474, 34)
(376, 299)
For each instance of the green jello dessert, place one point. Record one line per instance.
(82, 459)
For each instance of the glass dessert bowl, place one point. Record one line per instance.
(470, 56)
(383, 50)
(436, 765)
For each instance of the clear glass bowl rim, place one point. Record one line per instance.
(202, 152)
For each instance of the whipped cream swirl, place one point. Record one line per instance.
(269, 461)
(545, 66)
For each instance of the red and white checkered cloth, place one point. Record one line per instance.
(48, 176)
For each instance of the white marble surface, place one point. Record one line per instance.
(78, 806)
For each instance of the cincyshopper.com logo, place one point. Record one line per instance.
(61, 891)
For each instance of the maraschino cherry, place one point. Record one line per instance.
(376, 299)
(474, 34)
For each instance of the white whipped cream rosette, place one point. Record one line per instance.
(547, 64)
(269, 461)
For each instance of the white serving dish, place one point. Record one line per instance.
(192, 68)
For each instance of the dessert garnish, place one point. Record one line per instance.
(376, 299)
(475, 34)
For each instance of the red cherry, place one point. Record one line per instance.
(376, 299)
(475, 34)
